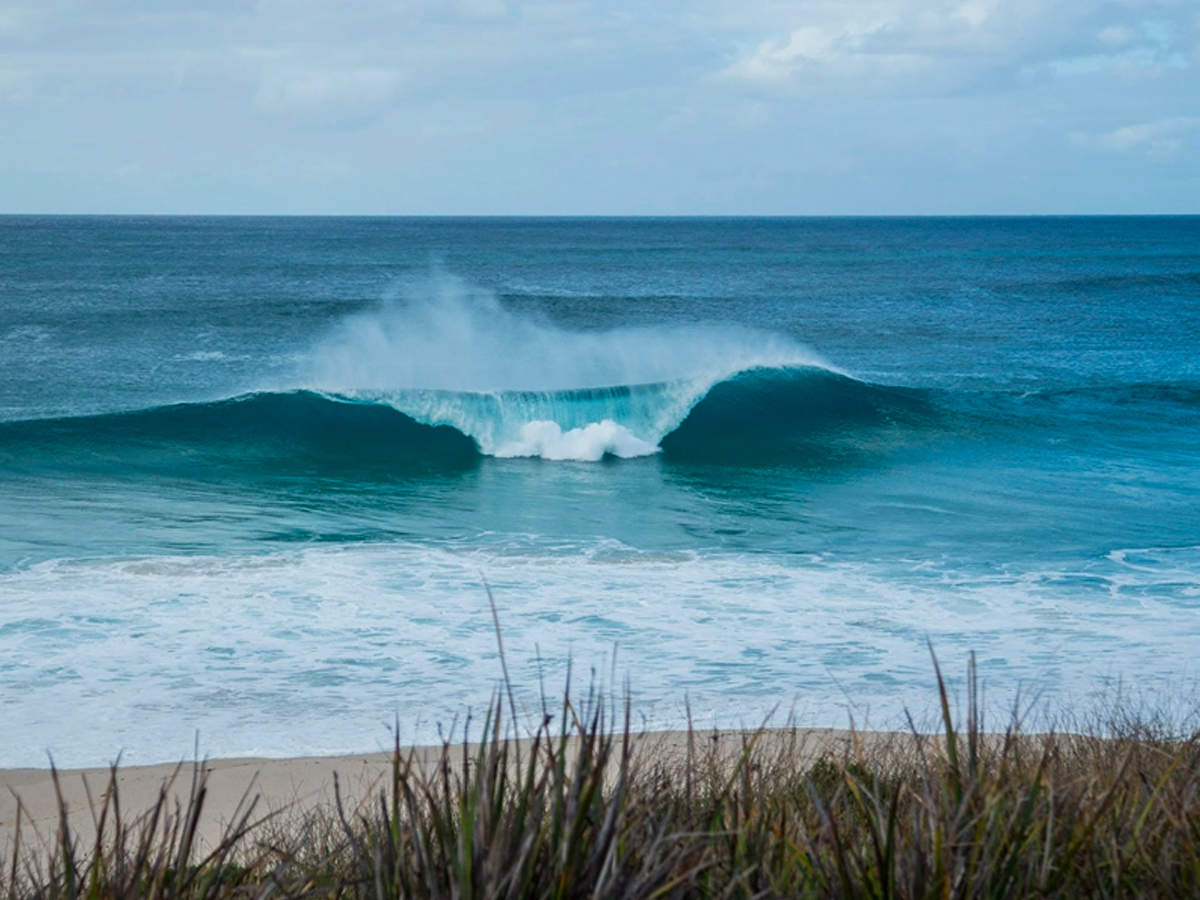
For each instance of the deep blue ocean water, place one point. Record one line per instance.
(255, 472)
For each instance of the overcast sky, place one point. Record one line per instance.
(584, 106)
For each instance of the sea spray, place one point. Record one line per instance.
(441, 333)
(446, 353)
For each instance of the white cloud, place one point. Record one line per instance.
(893, 46)
(1161, 140)
(472, 98)
(882, 45)
(839, 48)
(353, 49)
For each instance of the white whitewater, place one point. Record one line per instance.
(590, 443)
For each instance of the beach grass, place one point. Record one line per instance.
(583, 808)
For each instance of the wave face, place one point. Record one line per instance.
(624, 421)
(762, 414)
(757, 414)
(297, 430)
(810, 415)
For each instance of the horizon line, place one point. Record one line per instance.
(613, 216)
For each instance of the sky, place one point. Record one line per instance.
(612, 107)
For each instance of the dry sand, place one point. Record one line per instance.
(297, 786)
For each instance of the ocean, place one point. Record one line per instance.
(258, 475)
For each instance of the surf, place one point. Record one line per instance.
(753, 415)
(445, 353)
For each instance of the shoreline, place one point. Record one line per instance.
(298, 785)
(789, 812)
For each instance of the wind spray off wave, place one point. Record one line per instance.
(444, 353)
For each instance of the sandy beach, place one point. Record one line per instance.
(285, 787)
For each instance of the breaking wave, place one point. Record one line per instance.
(444, 375)
(756, 413)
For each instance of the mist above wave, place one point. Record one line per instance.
(441, 333)
(447, 353)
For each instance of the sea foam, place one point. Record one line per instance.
(592, 442)
(323, 649)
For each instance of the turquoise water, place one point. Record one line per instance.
(254, 472)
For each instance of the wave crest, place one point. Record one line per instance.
(444, 372)
(444, 353)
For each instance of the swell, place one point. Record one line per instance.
(1183, 395)
(771, 415)
(803, 416)
(293, 432)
